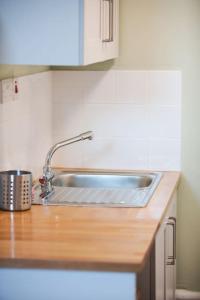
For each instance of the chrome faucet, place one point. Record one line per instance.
(46, 179)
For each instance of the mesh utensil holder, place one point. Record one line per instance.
(15, 190)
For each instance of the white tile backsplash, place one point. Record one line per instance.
(25, 126)
(70, 156)
(164, 154)
(116, 153)
(164, 87)
(68, 120)
(135, 116)
(116, 120)
(164, 122)
(99, 87)
(131, 87)
(69, 86)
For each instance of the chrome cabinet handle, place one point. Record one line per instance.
(172, 222)
(111, 22)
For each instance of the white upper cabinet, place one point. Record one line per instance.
(62, 32)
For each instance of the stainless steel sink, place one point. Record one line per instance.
(101, 180)
(115, 189)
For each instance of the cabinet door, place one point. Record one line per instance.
(160, 264)
(93, 46)
(170, 254)
(165, 262)
(100, 30)
(41, 32)
(110, 28)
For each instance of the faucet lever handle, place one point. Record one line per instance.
(42, 180)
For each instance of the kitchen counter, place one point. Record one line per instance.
(84, 238)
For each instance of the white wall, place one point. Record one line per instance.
(25, 124)
(135, 116)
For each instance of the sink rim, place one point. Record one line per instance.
(149, 190)
(154, 175)
(105, 172)
(96, 179)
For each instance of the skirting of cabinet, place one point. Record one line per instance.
(187, 295)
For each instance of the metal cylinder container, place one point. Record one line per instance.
(15, 190)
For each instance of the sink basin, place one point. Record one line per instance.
(101, 180)
(110, 189)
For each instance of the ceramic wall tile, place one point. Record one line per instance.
(164, 154)
(68, 120)
(25, 127)
(70, 156)
(116, 120)
(130, 112)
(100, 87)
(131, 87)
(116, 154)
(164, 87)
(164, 122)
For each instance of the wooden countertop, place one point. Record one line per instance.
(89, 238)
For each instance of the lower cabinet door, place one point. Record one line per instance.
(170, 286)
(160, 264)
(165, 256)
(170, 256)
(157, 281)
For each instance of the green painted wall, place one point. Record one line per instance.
(10, 71)
(160, 34)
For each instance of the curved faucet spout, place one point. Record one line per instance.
(83, 136)
(45, 181)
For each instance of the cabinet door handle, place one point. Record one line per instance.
(111, 22)
(172, 222)
(173, 219)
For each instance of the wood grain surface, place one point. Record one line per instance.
(89, 238)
